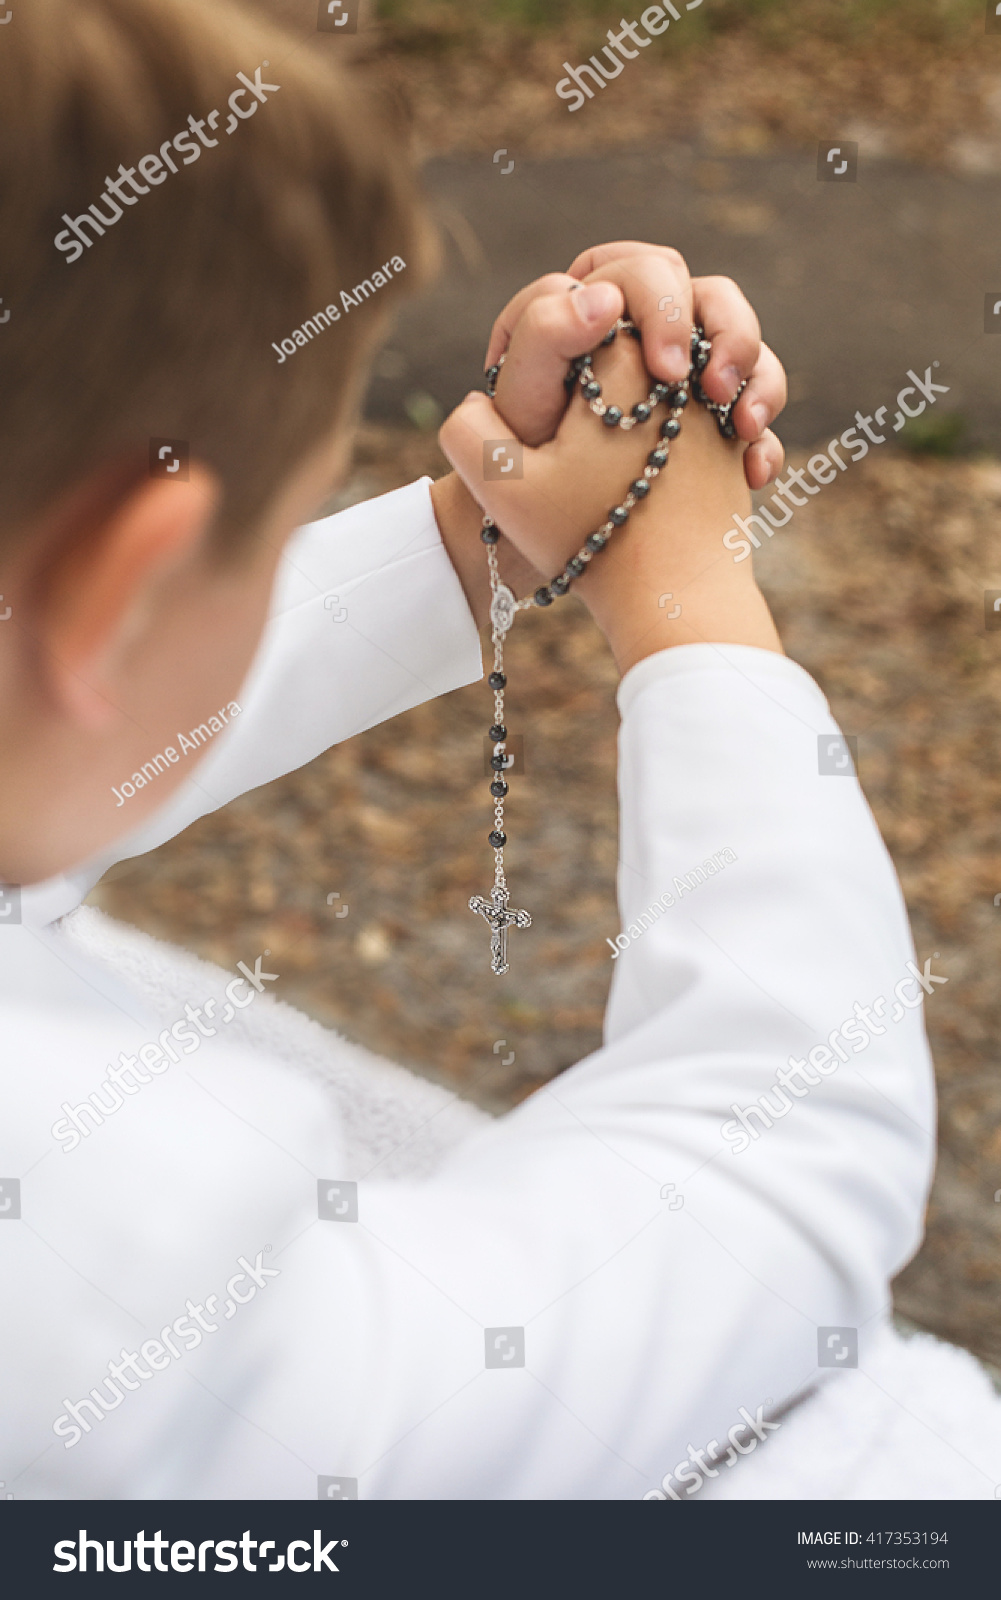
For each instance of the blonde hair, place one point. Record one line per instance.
(163, 324)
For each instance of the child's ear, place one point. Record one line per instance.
(100, 584)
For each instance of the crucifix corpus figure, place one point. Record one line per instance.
(496, 914)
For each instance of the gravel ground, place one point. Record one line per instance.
(878, 587)
(897, 94)
(916, 82)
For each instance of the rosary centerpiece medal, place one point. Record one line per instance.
(504, 607)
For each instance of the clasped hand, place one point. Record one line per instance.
(574, 470)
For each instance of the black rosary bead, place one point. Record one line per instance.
(580, 373)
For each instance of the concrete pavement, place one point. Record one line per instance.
(854, 282)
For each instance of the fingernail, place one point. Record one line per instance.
(731, 377)
(596, 300)
(676, 363)
(759, 411)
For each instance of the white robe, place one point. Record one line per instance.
(636, 1281)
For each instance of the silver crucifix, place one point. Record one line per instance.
(499, 918)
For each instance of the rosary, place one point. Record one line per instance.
(504, 607)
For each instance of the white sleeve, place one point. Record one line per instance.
(638, 1277)
(597, 1284)
(368, 619)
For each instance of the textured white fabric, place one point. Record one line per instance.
(656, 1279)
(391, 1119)
(918, 1420)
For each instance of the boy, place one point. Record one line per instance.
(194, 1243)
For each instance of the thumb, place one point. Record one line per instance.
(551, 331)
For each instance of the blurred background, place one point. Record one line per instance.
(355, 871)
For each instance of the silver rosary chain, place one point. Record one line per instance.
(504, 606)
(500, 748)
